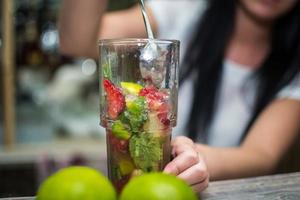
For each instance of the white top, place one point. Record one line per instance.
(234, 106)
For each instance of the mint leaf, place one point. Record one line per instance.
(116, 174)
(146, 151)
(136, 113)
(107, 71)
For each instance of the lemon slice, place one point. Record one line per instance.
(131, 88)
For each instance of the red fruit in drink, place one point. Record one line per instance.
(115, 99)
(117, 144)
(158, 102)
(121, 183)
(163, 118)
(152, 94)
(154, 97)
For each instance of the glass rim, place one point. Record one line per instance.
(121, 41)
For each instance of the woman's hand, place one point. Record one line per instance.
(188, 164)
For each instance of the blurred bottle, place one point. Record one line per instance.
(28, 50)
(49, 40)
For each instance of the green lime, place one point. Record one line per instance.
(131, 88)
(157, 186)
(76, 183)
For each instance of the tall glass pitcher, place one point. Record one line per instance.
(138, 104)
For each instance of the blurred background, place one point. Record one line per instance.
(51, 99)
(55, 100)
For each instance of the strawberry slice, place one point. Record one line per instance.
(154, 97)
(157, 101)
(162, 115)
(115, 99)
(117, 144)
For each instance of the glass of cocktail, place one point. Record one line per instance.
(138, 104)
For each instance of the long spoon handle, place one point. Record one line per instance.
(146, 20)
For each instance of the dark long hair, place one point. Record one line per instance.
(206, 54)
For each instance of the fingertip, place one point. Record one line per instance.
(167, 170)
(170, 169)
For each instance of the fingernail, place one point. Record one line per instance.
(173, 153)
(168, 170)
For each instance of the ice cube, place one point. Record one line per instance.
(152, 64)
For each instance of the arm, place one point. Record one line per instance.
(268, 140)
(82, 23)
